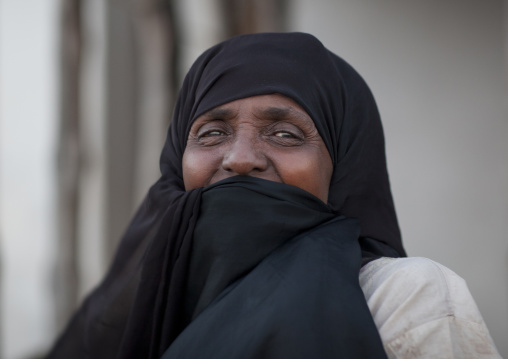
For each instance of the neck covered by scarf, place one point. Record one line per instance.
(259, 265)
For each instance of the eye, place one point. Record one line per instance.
(211, 136)
(284, 134)
(212, 133)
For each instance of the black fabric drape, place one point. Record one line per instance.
(136, 312)
(286, 289)
(242, 220)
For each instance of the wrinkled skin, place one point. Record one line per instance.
(267, 136)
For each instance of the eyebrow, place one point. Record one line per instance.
(277, 113)
(288, 113)
(272, 113)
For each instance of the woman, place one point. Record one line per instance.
(273, 195)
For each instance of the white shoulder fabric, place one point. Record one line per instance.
(424, 310)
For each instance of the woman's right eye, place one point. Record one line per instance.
(211, 137)
(212, 133)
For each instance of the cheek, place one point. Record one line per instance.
(197, 168)
(310, 171)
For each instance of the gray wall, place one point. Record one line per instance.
(438, 71)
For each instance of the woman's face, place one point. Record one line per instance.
(268, 136)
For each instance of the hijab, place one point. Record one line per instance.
(137, 310)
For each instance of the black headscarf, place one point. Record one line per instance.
(140, 307)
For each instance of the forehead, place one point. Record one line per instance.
(272, 107)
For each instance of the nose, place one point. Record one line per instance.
(244, 157)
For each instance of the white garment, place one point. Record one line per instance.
(424, 310)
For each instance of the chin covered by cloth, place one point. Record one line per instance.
(253, 263)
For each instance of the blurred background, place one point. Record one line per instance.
(87, 89)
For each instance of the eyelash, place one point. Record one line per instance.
(209, 132)
(291, 135)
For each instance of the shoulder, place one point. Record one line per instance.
(415, 276)
(417, 290)
(420, 305)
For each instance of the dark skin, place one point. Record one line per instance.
(267, 136)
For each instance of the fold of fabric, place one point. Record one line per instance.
(302, 301)
(135, 311)
(241, 221)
